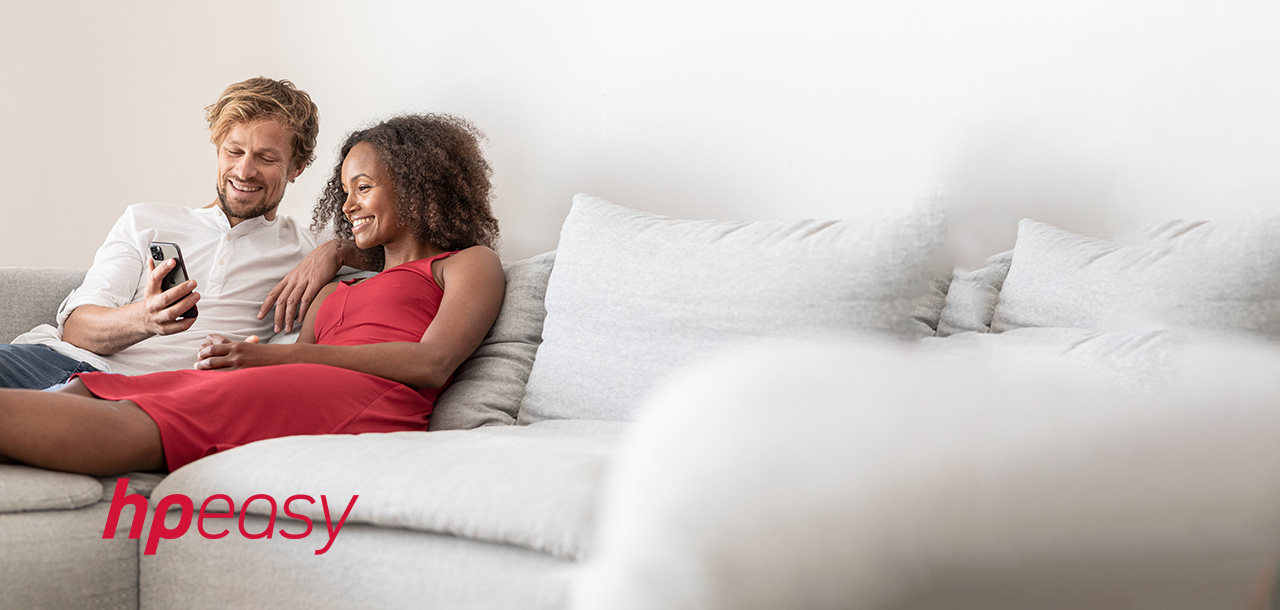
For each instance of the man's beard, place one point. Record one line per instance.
(250, 212)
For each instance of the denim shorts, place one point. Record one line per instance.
(36, 367)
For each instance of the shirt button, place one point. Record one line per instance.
(228, 238)
(219, 261)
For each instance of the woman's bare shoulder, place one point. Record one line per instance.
(476, 254)
(477, 263)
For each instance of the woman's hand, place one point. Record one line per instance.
(219, 352)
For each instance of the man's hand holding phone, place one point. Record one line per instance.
(162, 310)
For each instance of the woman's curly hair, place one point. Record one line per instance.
(441, 178)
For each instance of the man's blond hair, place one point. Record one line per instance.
(264, 98)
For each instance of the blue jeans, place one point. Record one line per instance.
(36, 367)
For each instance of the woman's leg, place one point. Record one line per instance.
(72, 430)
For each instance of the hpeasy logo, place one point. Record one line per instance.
(159, 530)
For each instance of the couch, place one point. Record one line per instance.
(703, 414)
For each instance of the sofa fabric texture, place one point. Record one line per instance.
(1219, 275)
(58, 559)
(1142, 361)
(369, 567)
(34, 489)
(489, 386)
(971, 297)
(741, 481)
(635, 296)
(1009, 480)
(31, 297)
(526, 486)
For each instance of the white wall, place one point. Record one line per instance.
(1090, 114)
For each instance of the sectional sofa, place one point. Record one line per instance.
(704, 414)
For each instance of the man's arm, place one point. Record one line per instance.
(116, 280)
(109, 330)
(295, 293)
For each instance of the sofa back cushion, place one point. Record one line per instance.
(488, 386)
(1219, 275)
(634, 296)
(971, 297)
(31, 296)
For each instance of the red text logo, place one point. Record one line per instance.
(213, 513)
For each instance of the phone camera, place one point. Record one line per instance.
(156, 253)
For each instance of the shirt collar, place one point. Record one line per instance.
(219, 218)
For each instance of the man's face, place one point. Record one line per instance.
(255, 162)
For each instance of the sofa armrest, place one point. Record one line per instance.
(30, 296)
(877, 476)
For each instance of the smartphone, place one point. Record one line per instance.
(162, 251)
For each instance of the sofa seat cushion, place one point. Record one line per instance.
(24, 489)
(529, 486)
(141, 483)
(1142, 361)
(57, 559)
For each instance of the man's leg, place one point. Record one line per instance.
(71, 430)
(35, 367)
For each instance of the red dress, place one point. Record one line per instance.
(203, 412)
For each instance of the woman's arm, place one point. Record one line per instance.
(308, 332)
(473, 284)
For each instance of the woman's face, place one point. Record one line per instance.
(371, 198)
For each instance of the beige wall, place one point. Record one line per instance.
(1091, 114)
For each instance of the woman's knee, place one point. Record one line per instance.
(77, 387)
(142, 435)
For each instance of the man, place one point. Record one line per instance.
(236, 249)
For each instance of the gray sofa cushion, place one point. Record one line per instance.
(58, 560)
(1143, 361)
(489, 385)
(929, 307)
(1219, 275)
(29, 297)
(140, 483)
(23, 488)
(368, 567)
(635, 296)
(972, 295)
(528, 486)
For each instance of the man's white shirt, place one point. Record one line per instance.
(234, 269)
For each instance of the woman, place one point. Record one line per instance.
(372, 356)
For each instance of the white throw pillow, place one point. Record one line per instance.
(971, 297)
(1203, 275)
(634, 296)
